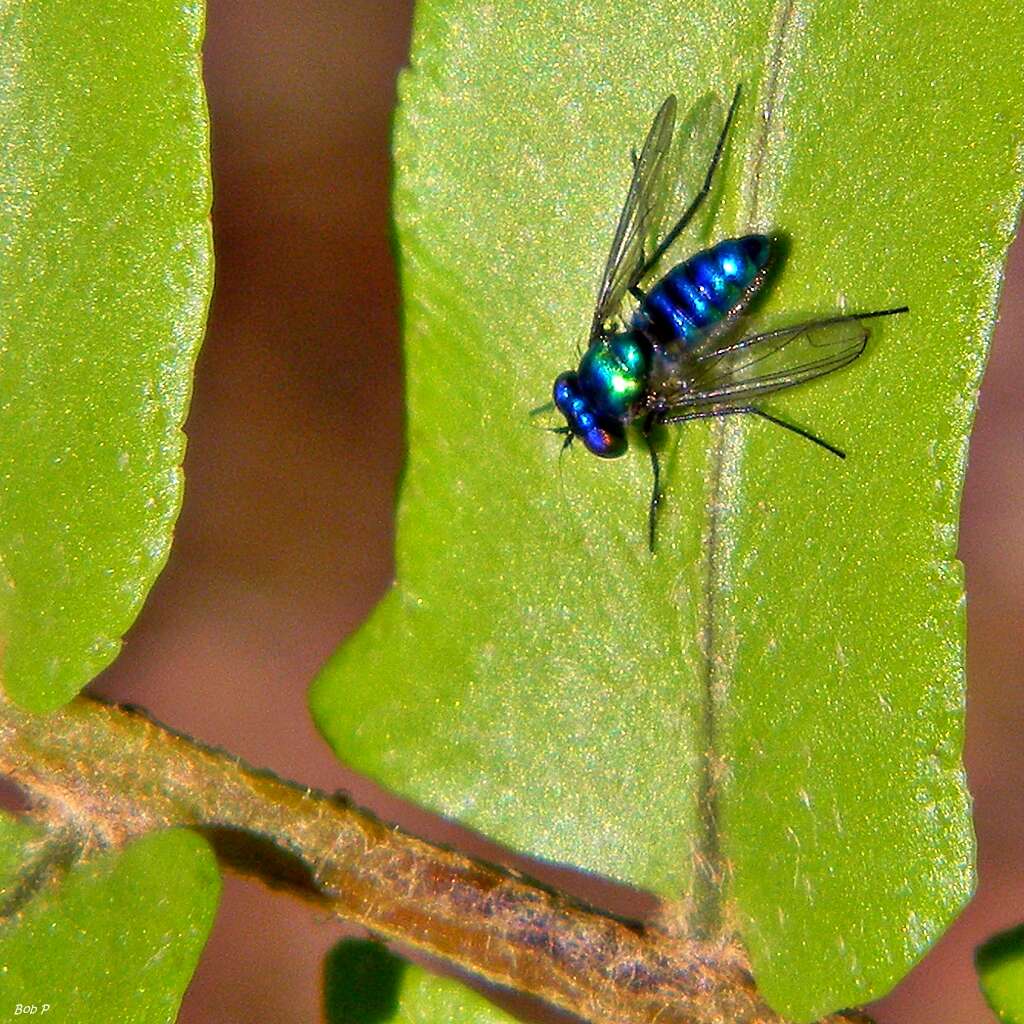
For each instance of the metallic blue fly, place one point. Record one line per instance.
(676, 358)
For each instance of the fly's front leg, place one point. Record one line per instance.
(652, 515)
(698, 199)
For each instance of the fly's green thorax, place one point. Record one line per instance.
(613, 374)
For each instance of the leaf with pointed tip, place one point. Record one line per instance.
(106, 275)
(117, 938)
(765, 718)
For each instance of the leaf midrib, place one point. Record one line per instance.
(710, 875)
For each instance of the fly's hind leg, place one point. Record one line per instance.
(717, 412)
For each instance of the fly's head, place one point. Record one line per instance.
(601, 435)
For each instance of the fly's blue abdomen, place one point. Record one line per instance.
(700, 292)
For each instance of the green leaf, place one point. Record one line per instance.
(361, 983)
(365, 984)
(777, 695)
(15, 837)
(1000, 966)
(106, 276)
(118, 938)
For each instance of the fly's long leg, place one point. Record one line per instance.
(791, 330)
(652, 514)
(799, 431)
(698, 199)
(753, 410)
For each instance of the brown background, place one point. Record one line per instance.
(285, 539)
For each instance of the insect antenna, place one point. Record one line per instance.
(557, 430)
(540, 410)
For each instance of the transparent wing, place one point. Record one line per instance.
(760, 363)
(646, 192)
(696, 149)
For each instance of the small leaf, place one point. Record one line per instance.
(106, 275)
(365, 984)
(118, 938)
(361, 983)
(765, 719)
(1000, 966)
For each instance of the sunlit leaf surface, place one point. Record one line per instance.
(105, 276)
(115, 939)
(764, 719)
